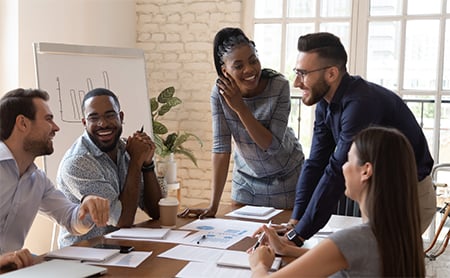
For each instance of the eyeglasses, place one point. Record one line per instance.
(108, 116)
(302, 73)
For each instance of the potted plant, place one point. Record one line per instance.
(173, 142)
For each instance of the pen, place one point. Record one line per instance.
(142, 129)
(260, 239)
(200, 239)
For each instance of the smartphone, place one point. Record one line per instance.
(122, 248)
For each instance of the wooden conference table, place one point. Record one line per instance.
(155, 266)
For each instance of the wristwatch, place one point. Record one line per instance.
(148, 168)
(292, 236)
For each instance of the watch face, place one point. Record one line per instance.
(292, 234)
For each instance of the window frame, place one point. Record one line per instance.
(360, 19)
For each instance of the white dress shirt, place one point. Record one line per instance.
(21, 197)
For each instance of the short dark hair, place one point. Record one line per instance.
(225, 41)
(99, 92)
(18, 102)
(326, 45)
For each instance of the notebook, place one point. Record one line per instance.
(57, 268)
(87, 254)
(254, 210)
(148, 233)
(239, 259)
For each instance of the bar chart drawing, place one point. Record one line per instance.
(67, 72)
(70, 100)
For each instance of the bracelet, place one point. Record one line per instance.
(148, 168)
(82, 198)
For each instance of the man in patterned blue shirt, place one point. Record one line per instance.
(345, 105)
(100, 163)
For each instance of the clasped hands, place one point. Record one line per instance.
(141, 146)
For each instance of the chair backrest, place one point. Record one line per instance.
(347, 207)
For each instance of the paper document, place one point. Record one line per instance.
(254, 212)
(174, 236)
(156, 233)
(229, 258)
(233, 258)
(338, 222)
(132, 259)
(218, 233)
(192, 253)
(208, 270)
(83, 254)
(57, 268)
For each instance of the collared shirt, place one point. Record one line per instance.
(266, 177)
(21, 197)
(86, 170)
(357, 104)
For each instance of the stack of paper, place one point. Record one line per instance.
(57, 268)
(85, 254)
(254, 210)
(144, 233)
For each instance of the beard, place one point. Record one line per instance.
(317, 92)
(38, 147)
(106, 147)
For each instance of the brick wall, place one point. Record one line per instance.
(177, 36)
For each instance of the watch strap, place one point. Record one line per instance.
(148, 168)
(293, 237)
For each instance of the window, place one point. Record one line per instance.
(403, 45)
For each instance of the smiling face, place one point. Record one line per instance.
(43, 129)
(103, 122)
(354, 174)
(314, 85)
(242, 64)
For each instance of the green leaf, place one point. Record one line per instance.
(174, 101)
(170, 141)
(166, 94)
(159, 128)
(159, 143)
(164, 109)
(153, 104)
(174, 141)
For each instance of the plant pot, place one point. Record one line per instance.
(167, 168)
(171, 173)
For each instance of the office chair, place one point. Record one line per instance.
(445, 211)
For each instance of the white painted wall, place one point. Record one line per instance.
(9, 47)
(87, 22)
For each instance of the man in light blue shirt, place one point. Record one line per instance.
(26, 132)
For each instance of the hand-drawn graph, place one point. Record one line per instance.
(70, 100)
